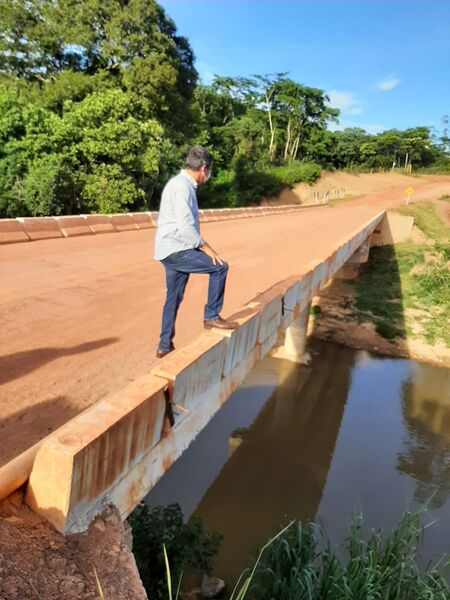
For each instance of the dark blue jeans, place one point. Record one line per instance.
(178, 267)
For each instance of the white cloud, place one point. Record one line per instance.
(388, 83)
(357, 110)
(347, 102)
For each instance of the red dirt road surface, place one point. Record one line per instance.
(80, 317)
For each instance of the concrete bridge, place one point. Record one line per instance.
(81, 319)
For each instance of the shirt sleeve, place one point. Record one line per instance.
(187, 231)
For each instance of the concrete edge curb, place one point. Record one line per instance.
(25, 229)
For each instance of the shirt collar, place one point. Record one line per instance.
(189, 178)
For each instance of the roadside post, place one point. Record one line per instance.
(409, 192)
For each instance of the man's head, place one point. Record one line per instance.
(199, 164)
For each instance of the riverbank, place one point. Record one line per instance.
(38, 562)
(396, 304)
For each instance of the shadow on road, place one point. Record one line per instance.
(20, 430)
(18, 364)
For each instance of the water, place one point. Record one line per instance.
(353, 432)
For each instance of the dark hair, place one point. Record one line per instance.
(197, 157)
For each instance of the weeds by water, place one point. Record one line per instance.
(405, 289)
(299, 563)
(373, 567)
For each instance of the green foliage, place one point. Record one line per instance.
(307, 172)
(88, 109)
(108, 190)
(355, 150)
(244, 184)
(97, 156)
(296, 566)
(48, 186)
(91, 91)
(188, 546)
(427, 220)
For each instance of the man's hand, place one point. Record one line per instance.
(206, 248)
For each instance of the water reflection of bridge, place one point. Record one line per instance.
(279, 470)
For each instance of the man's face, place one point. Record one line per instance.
(206, 173)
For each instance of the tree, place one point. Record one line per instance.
(346, 147)
(267, 85)
(302, 110)
(96, 83)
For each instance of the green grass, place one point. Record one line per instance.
(299, 563)
(374, 566)
(409, 276)
(296, 172)
(427, 220)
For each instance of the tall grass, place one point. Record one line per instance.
(295, 566)
(299, 563)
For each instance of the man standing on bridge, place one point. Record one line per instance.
(182, 250)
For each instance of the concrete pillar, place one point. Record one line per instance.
(295, 339)
(361, 255)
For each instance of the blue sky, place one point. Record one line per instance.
(384, 63)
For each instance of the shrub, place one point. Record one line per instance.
(108, 190)
(48, 188)
(297, 172)
(188, 546)
(244, 183)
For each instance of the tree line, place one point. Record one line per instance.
(99, 101)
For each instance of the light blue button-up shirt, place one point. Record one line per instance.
(178, 223)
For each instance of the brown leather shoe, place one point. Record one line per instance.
(220, 323)
(163, 353)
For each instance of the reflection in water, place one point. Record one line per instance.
(283, 447)
(278, 467)
(426, 452)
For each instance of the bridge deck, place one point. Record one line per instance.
(80, 316)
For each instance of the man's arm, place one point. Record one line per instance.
(187, 230)
(186, 227)
(207, 249)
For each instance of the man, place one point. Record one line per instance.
(182, 250)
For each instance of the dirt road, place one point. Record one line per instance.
(80, 316)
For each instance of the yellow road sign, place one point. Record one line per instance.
(409, 191)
